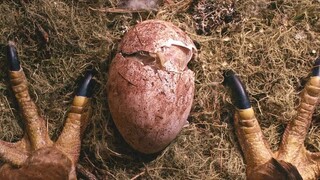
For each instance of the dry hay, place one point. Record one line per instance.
(271, 46)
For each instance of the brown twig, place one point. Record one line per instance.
(137, 176)
(86, 172)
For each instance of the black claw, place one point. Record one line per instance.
(86, 85)
(12, 56)
(239, 94)
(316, 67)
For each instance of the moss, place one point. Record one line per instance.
(271, 47)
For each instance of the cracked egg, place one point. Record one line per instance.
(150, 88)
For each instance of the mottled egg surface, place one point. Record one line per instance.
(150, 88)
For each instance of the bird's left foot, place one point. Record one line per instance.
(36, 156)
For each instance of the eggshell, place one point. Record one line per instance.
(150, 88)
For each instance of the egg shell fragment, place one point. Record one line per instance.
(152, 35)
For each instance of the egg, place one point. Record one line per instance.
(150, 88)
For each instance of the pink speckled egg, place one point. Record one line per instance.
(150, 88)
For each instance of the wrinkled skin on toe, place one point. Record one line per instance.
(36, 156)
(292, 160)
(45, 163)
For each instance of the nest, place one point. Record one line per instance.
(271, 46)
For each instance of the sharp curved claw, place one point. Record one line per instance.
(78, 119)
(316, 67)
(87, 84)
(239, 94)
(256, 150)
(12, 55)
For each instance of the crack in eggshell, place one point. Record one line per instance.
(175, 57)
(152, 35)
(172, 56)
(149, 108)
(170, 47)
(150, 88)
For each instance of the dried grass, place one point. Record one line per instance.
(271, 48)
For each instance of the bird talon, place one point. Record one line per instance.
(292, 160)
(12, 56)
(36, 152)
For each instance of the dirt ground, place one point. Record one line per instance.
(270, 44)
